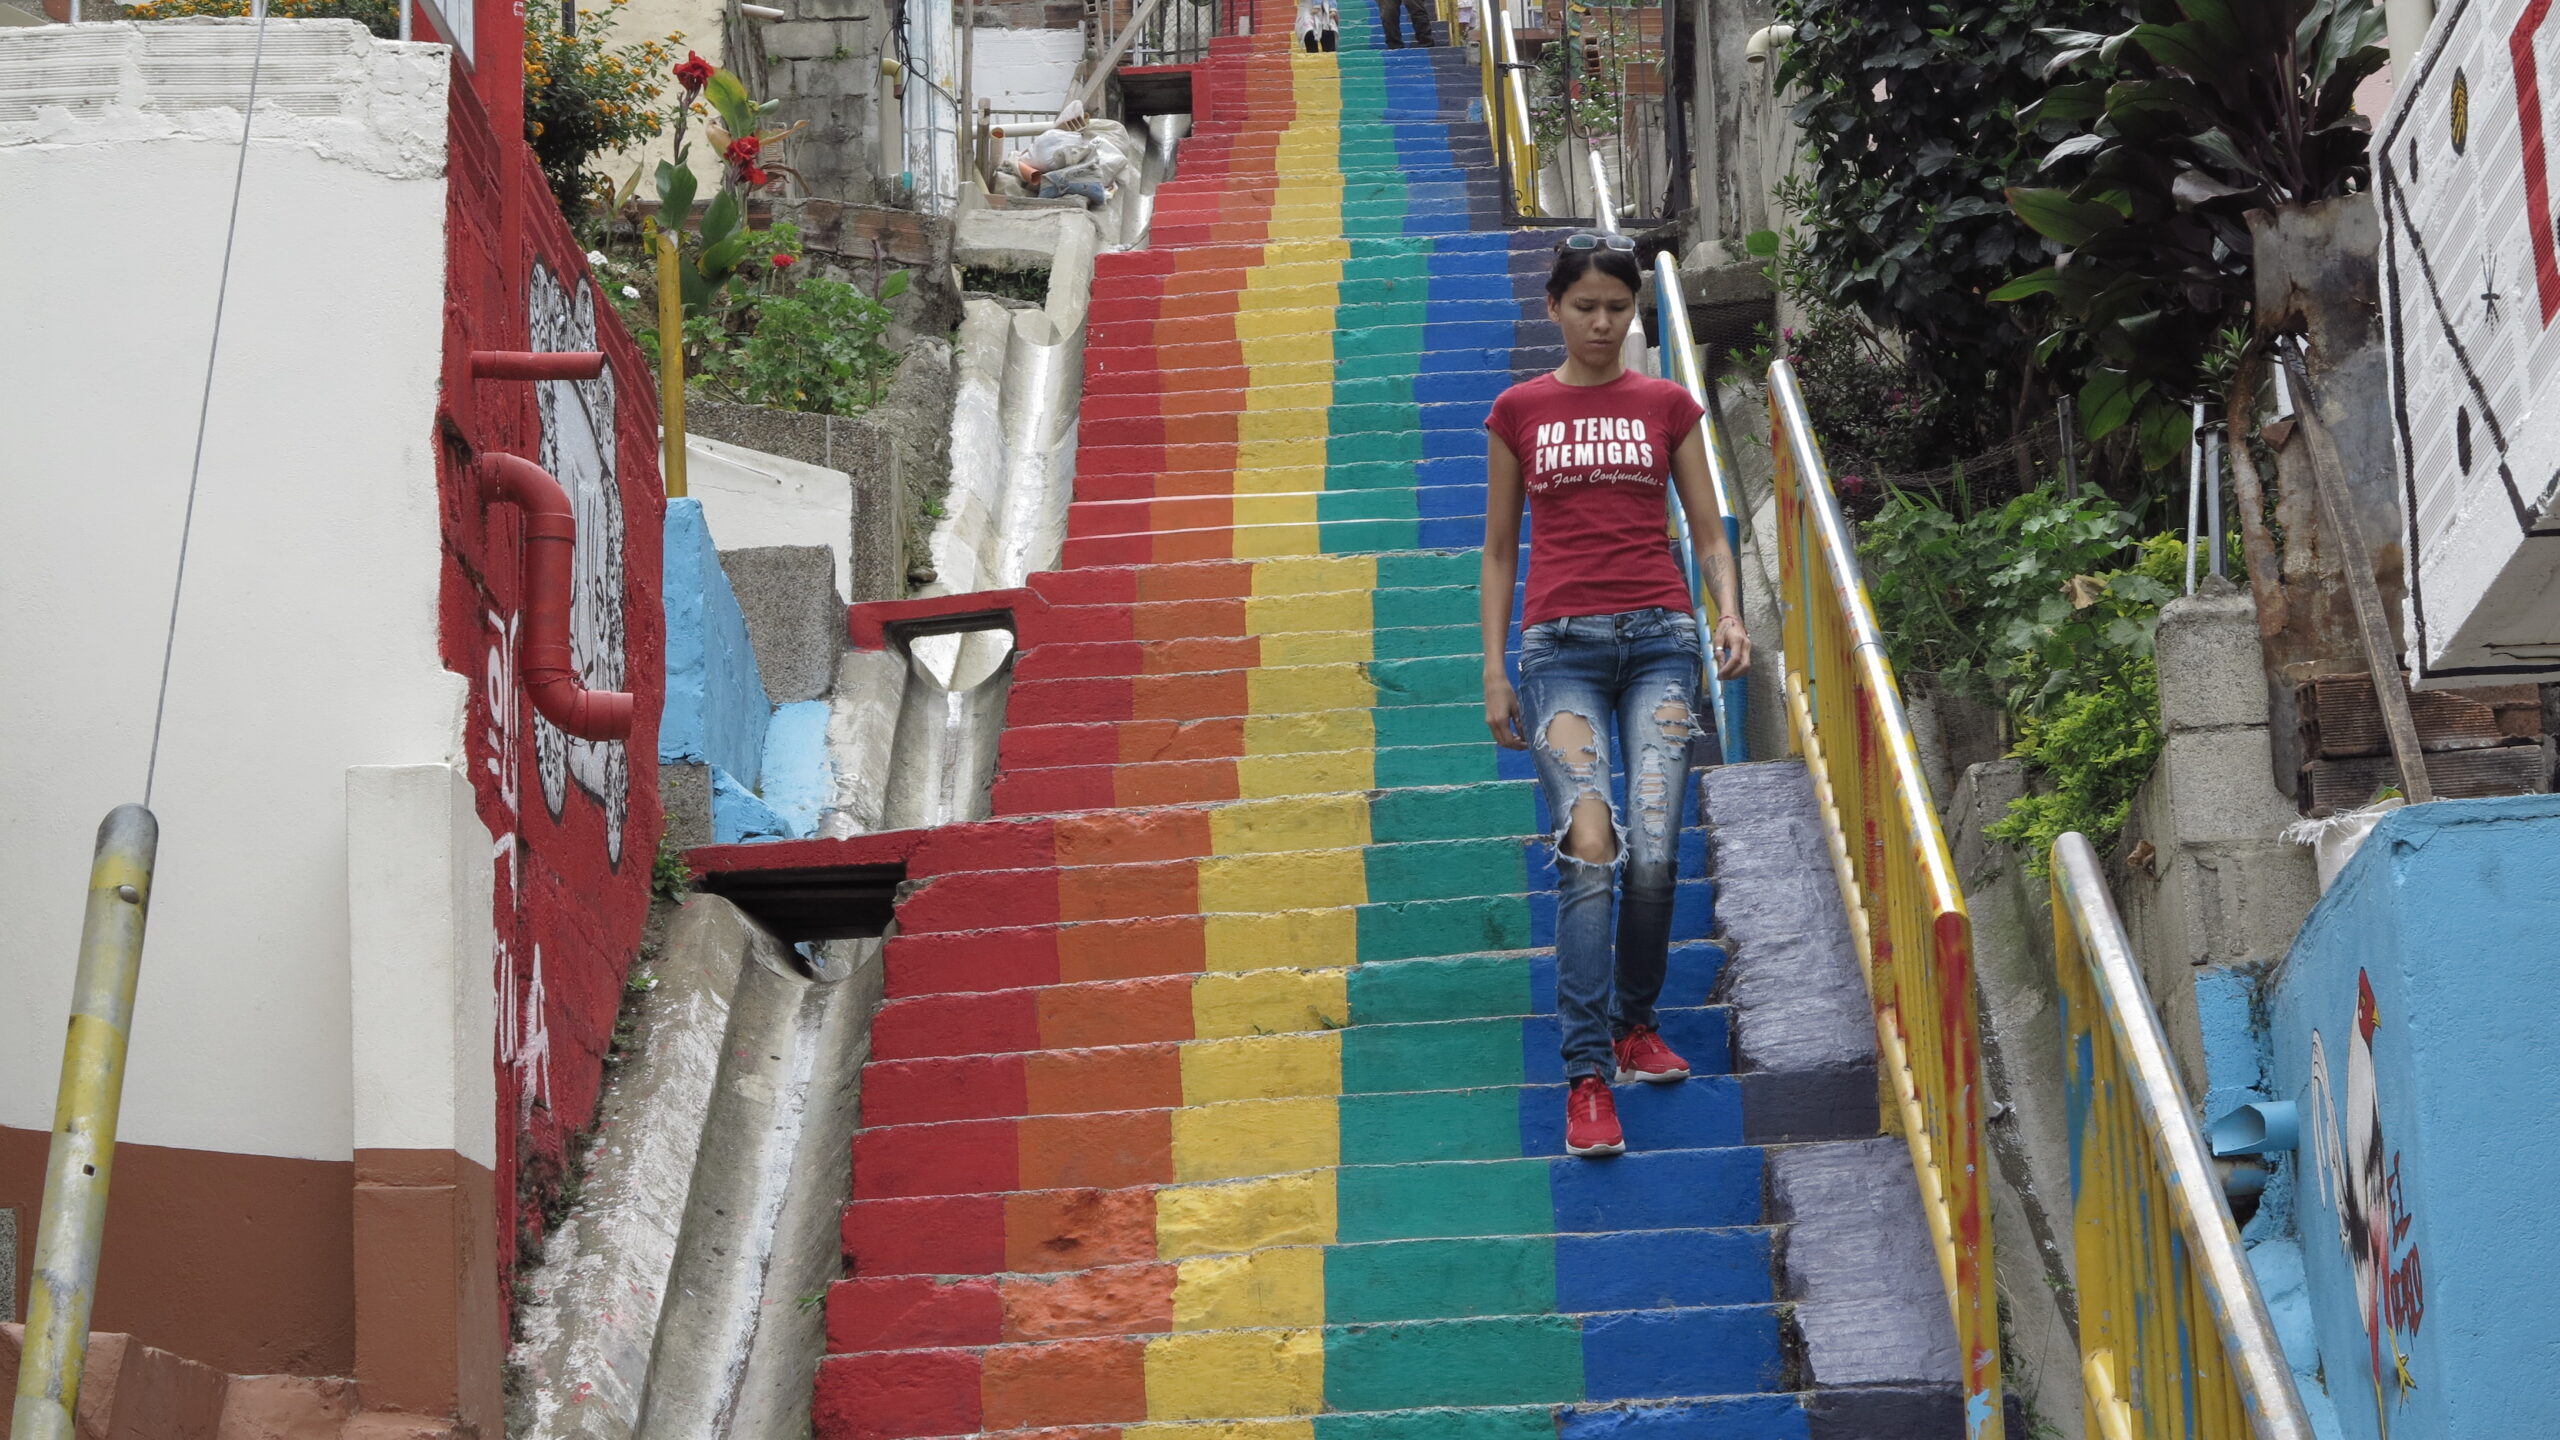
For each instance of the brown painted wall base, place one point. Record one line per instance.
(244, 1263)
(384, 1269)
(429, 1336)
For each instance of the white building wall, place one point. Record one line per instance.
(1026, 69)
(307, 640)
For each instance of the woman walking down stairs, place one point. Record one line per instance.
(1218, 1090)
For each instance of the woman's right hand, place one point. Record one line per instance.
(1502, 712)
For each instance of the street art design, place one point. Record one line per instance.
(2462, 187)
(2359, 1180)
(578, 450)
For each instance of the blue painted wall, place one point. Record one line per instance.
(798, 781)
(716, 708)
(770, 777)
(2451, 915)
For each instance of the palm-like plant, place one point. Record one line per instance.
(2202, 113)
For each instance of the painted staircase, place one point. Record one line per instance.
(1216, 1093)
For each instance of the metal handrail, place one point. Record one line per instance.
(1897, 881)
(2159, 1259)
(1506, 106)
(1680, 366)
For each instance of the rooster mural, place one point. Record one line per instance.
(2358, 1180)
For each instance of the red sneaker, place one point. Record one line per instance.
(1591, 1119)
(1643, 1056)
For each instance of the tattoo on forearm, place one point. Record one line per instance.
(1719, 574)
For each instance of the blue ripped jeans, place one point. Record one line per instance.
(1604, 693)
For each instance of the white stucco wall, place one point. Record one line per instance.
(752, 499)
(1025, 69)
(307, 641)
(420, 894)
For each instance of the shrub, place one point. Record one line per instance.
(2097, 734)
(1912, 115)
(817, 347)
(585, 95)
(1983, 600)
(2178, 129)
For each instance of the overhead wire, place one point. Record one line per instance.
(204, 405)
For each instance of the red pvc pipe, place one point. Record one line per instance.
(536, 364)
(550, 542)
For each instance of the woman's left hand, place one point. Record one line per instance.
(1733, 648)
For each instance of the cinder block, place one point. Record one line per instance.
(2217, 787)
(795, 618)
(2212, 670)
(685, 792)
(812, 39)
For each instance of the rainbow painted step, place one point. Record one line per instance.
(1215, 1095)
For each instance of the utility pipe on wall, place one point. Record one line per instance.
(550, 545)
(1766, 42)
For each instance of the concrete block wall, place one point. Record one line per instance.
(2220, 890)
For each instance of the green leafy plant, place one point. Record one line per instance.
(721, 242)
(669, 874)
(1559, 107)
(2180, 126)
(585, 95)
(778, 338)
(2095, 733)
(1913, 115)
(817, 348)
(1984, 601)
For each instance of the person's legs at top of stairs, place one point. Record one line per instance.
(1420, 13)
(1389, 25)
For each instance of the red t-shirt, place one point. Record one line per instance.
(1596, 460)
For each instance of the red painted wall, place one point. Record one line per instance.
(573, 887)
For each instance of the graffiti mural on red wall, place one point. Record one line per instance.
(576, 822)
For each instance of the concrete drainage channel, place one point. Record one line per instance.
(682, 1297)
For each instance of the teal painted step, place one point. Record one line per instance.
(1527, 1275)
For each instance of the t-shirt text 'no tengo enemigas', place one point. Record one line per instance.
(1596, 462)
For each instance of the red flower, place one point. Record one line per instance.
(693, 74)
(784, 262)
(744, 150)
(754, 177)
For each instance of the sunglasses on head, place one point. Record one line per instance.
(1594, 240)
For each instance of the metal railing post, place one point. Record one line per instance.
(670, 362)
(1681, 366)
(73, 1225)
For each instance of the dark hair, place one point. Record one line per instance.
(1572, 265)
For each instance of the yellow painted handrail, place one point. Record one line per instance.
(1897, 881)
(2174, 1337)
(1506, 97)
(71, 1232)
